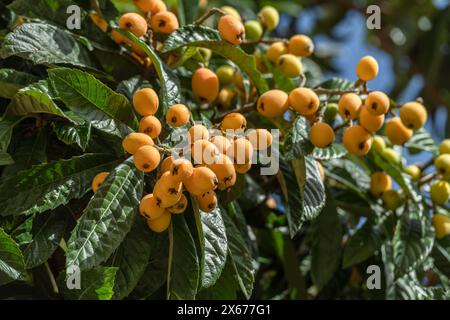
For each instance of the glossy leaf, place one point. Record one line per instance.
(12, 265)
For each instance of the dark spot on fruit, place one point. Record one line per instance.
(158, 201)
(98, 185)
(174, 171)
(311, 105)
(148, 130)
(174, 119)
(374, 106)
(146, 166)
(128, 25)
(203, 99)
(216, 182)
(281, 61)
(261, 106)
(347, 113)
(212, 205)
(361, 145)
(172, 191)
(240, 36)
(162, 23)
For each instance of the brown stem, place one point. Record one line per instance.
(426, 179)
(426, 164)
(342, 125)
(208, 14)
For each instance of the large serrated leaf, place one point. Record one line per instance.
(82, 93)
(12, 81)
(95, 284)
(12, 265)
(213, 243)
(240, 257)
(47, 231)
(168, 81)
(107, 218)
(441, 255)
(297, 142)
(225, 287)
(70, 134)
(49, 185)
(334, 151)
(422, 141)
(184, 268)
(132, 257)
(45, 44)
(202, 36)
(337, 83)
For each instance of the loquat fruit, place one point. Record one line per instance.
(181, 169)
(321, 135)
(290, 65)
(440, 192)
(231, 29)
(203, 151)
(357, 140)
(301, 45)
(413, 171)
(413, 115)
(224, 170)
(444, 146)
(132, 142)
(167, 190)
(396, 132)
(242, 168)
(391, 156)
(231, 11)
(149, 208)
(349, 106)
(241, 151)
(178, 115)
(202, 180)
(275, 50)
(273, 103)
(377, 103)
(222, 143)
(269, 17)
(147, 158)
(442, 165)
(162, 223)
(180, 206)
(225, 74)
(146, 102)
(304, 100)
(233, 121)
(207, 201)
(205, 85)
(134, 23)
(260, 139)
(197, 132)
(331, 111)
(370, 122)
(164, 22)
(379, 183)
(392, 199)
(253, 30)
(441, 224)
(150, 125)
(98, 180)
(378, 144)
(152, 6)
(367, 68)
(226, 97)
(166, 164)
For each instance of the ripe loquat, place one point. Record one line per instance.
(260, 139)
(205, 85)
(231, 29)
(180, 206)
(149, 208)
(444, 146)
(290, 65)
(349, 106)
(413, 115)
(162, 223)
(166, 164)
(367, 68)
(377, 103)
(152, 6)
(197, 132)
(181, 169)
(207, 201)
(379, 183)
(134, 23)
(98, 180)
(301, 45)
(275, 50)
(178, 115)
(321, 135)
(440, 192)
(370, 122)
(164, 22)
(222, 143)
(441, 224)
(304, 100)
(273, 103)
(242, 168)
(146, 102)
(233, 121)
(202, 180)
(167, 190)
(147, 158)
(396, 131)
(241, 151)
(150, 125)
(357, 140)
(132, 142)
(224, 170)
(203, 151)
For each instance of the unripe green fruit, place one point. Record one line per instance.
(269, 17)
(413, 171)
(391, 156)
(444, 147)
(378, 144)
(331, 112)
(442, 165)
(225, 74)
(253, 30)
(440, 192)
(441, 224)
(392, 200)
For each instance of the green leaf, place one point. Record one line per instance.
(12, 81)
(225, 287)
(441, 255)
(362, 245)
(240, 257)
(168, 81)
(45, 44)
(202, 36)
(190, 10)
(95, 284)
(5, 159)
(213, 243)
(130, 86)
(7, 125)
(422, 141)
(131, 258)
(252, 195)
(413, 242)
(337, 83)
(70, 134)
(107, 218)
(184, 269)
(326, 248)
(12, 265)
(47, 231)
(35, 98)
(82, 92)
(297, 144)
(49, 185)
(334, 151)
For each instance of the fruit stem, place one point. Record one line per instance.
(426, 179)
(208, 14)
(426, 164)
(52, 278)
(342, 125)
